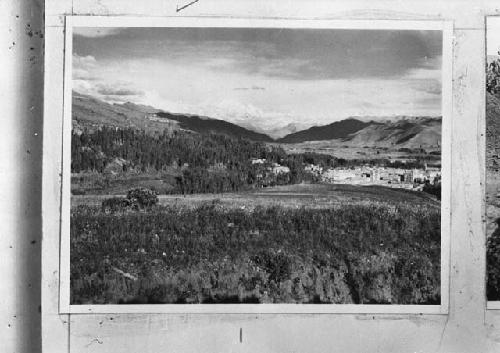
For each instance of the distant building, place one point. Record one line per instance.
(279, 169)
(393, 177)
(316, 169)
(258, 160)
(116, 166)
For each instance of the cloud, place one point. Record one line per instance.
(427, 69)
(313, 54)
(423, 74)
(89, 78)
(253, 88)
(432, 87)
(426, 78)
(493, 36)
(254, 83)
(83, 66)
(96, 32)
(113, 90)
(84, 61)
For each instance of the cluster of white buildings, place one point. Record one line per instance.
(366, 175)
(273, 167)
(394, 177)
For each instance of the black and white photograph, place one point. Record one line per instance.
(253, 165)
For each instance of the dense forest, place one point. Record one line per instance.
(208, 162)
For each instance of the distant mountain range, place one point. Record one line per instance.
(337, 130)
(390, 131)
(203, 124)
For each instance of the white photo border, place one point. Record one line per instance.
(128, 21)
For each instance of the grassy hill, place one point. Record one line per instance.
(89, 112)
(410, 133)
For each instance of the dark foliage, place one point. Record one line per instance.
(115, 204)
(142, 197)
(209, 163)
(493, 77)
(433, 189)
(211, 254)
(493, 264)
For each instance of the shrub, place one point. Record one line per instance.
(276, 263)
(115, 204)
(142, 197)
(78, 191)
(433, 189)
(493, 77)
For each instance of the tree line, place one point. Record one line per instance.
(208, 162)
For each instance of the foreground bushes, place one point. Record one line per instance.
(493, 265)
(137, 198)
(211, 254)
(142, 197)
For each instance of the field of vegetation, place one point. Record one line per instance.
(223, 252)
(288, 196)
(493, 179)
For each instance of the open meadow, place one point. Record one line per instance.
(289, 196)
(290, 244)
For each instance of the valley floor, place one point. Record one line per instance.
(292, 196)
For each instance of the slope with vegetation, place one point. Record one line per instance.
(337, 130)
(492, 177)
(376, 254)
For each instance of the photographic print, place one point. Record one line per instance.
(249, 165)
(493, 157)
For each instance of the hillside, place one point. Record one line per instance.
(410, 133)
(90, 112)
(203, 124)
(337, 130)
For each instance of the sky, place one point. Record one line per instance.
(493, 35)
(263, 78)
